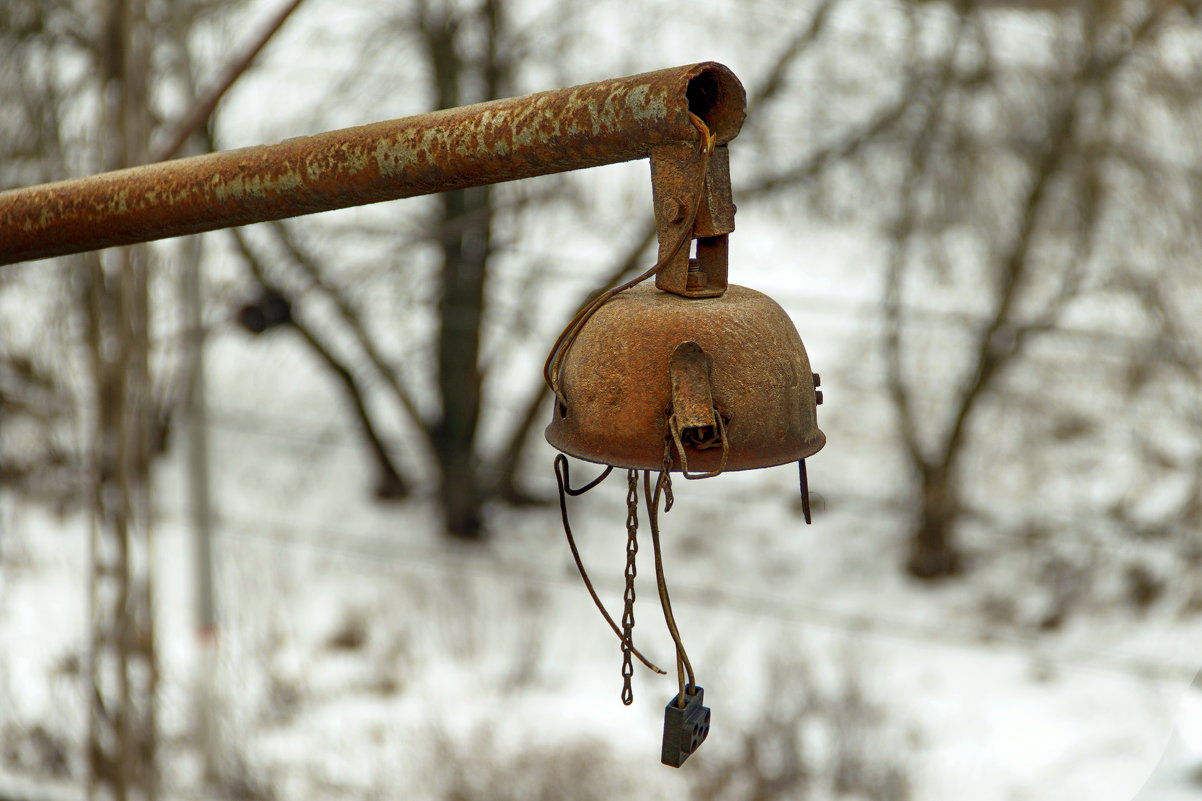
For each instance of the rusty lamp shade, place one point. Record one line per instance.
(650, 361)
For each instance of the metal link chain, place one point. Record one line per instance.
(665, 475)
(632, 549)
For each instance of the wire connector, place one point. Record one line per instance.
(685, 728)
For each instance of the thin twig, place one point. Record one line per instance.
(198, 116)
(345, 376)
(304, 260)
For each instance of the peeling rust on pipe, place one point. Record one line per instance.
(503, 140)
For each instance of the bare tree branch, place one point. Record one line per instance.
(303, 260)
(390, 481)
(197, 116)
(774, 81)
(995, 350)
(903, 232)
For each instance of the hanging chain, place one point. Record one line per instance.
(632, 549)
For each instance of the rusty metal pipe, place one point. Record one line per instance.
(503, 140)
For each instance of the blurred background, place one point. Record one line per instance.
(277, 520)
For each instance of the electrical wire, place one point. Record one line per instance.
(563, 343)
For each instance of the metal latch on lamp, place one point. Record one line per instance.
(694, 421)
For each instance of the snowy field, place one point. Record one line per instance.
(360, 654)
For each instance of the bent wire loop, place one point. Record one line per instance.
(565, 489)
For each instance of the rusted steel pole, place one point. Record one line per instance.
(503, 140)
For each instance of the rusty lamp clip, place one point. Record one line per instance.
(693, 418)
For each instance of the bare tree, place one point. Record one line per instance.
(1030, 161)
(469, 53)
(121, 401)
(123, 678)
(465, 243)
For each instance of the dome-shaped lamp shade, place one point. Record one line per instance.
(641, 379)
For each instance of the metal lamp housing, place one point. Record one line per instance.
(620, 389)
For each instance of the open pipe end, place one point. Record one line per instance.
(716, 96)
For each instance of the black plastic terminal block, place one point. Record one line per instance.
(685, 728)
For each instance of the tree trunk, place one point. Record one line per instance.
(122, 664)
(933, 552)
(467, 221)
(466, 244)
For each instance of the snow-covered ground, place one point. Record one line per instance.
(360, 653)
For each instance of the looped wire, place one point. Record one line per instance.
(567, 337)
(684, 668)
(674, 427)
(562, 479)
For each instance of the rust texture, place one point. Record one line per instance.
(676, 171)
(692, 397)
(503, 140)
(617, 379)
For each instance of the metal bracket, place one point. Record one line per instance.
(675, 174)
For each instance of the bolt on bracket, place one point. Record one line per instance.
(675, 171)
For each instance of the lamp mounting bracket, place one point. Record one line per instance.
(676, 169)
